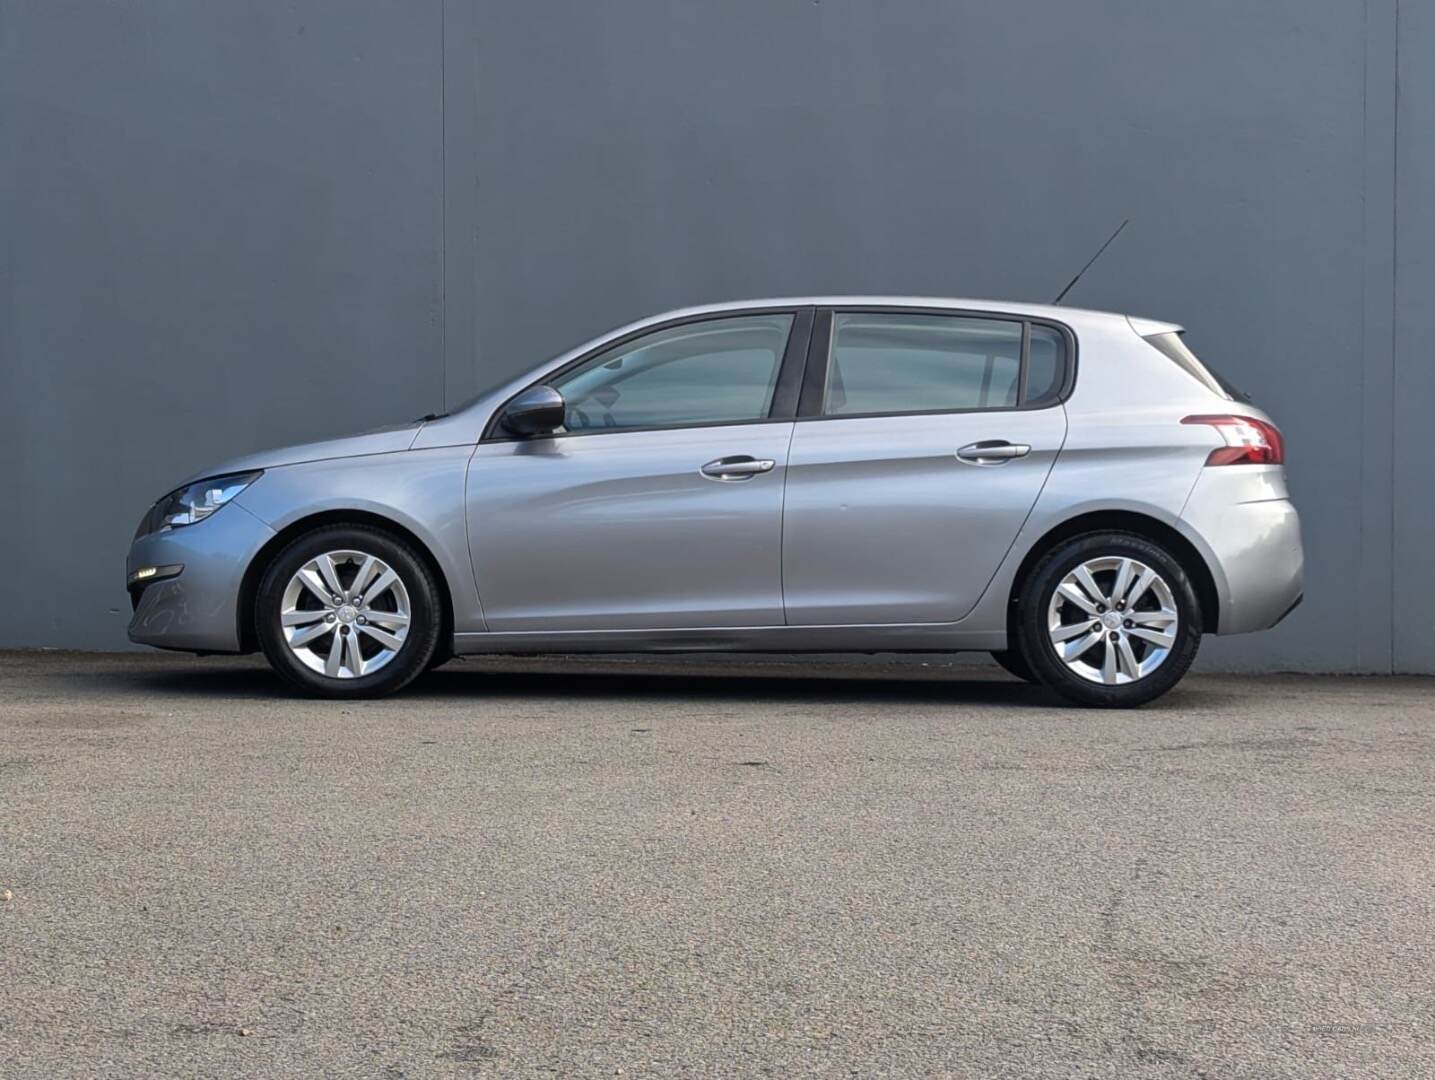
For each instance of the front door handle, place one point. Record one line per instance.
(992, 452)
(741, 467)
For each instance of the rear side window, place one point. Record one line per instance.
(885, 362)
(893, 363)
(1174, 349)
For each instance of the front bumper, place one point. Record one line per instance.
(1251, 532)
(196, 609)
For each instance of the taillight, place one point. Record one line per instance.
(1248, 441)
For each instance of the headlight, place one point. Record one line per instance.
(196, 502)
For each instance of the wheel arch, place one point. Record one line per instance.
(254, 572)
(1129, 521)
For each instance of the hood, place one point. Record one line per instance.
(384, 440)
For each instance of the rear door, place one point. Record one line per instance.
(922, 442)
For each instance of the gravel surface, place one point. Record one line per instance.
(714, 867)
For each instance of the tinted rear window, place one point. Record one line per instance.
(1175, 349)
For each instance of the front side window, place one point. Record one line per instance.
(709, 372)
(896, 363)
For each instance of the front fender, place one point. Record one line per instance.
(420, 490)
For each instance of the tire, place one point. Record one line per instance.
(1120, 653)
(1013, 661)
(396, 628)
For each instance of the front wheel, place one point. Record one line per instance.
(1014, 663)
(1110, 620)
(348, 611)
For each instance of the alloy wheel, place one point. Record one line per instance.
(1112, 620)
(345, 614)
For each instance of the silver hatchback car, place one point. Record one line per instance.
(1072, 491)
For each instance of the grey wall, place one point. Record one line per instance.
(225, 229)
(220, 228)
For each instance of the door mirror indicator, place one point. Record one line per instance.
(539, 410)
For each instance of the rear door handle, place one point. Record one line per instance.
(992, 452)
(740, 467)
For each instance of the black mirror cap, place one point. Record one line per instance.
(539, 410)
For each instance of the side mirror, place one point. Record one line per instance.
(539, 410)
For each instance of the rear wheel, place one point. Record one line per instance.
(1109, 619)
(347, 612)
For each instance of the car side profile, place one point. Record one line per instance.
(1072, 491)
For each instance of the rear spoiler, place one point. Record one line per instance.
(1150, 327)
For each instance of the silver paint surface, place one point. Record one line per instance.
(868, 532)
(622, 531)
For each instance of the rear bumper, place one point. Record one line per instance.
(1251, 534)
(196, 609)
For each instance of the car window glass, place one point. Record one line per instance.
(891, 363)
(714, 371)
(1173, 346)
(1046, 366)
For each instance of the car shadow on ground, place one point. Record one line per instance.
(738, 684)
(585, 679)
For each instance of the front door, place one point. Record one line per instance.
(659, 504)
(921, 451)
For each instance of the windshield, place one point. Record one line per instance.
(1175, 349)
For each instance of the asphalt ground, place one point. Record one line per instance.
(710, 868)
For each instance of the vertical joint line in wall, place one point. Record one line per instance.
(1378, 310)
(1394, 305)
(443, 202)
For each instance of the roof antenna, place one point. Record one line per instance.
(1093, 258)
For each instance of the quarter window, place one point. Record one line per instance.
(714, 371)
(893, 363)
(1046, 367)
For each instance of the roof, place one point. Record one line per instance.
(1144, 327)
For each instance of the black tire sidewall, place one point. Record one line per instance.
(1013, 662)
(424, 609)
(1040, 654)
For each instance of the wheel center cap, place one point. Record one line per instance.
(347, 614)
(1111, 620)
